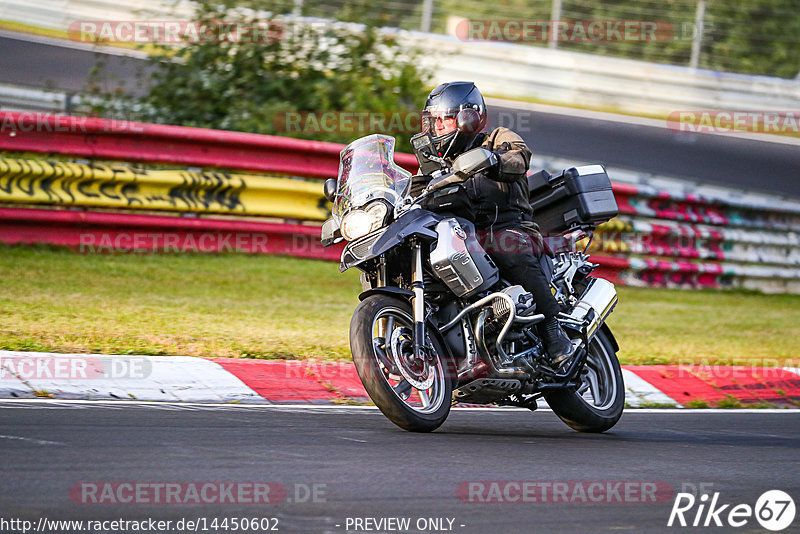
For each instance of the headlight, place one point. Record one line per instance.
(359, 223)
(356, 224)
(377, 212)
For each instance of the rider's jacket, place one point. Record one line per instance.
(500, 195)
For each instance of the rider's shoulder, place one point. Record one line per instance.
(501, 135)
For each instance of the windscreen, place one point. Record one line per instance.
(367, 171)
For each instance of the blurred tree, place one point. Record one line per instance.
(669, 47)
(392, 13)
(479, 10)
(754, 37)
(249, 84)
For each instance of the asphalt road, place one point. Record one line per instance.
(722, 160)
(361, 466)
(48, 66)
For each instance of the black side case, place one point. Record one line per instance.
(580, 197)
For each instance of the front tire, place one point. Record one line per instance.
(414, 395)
(598, 402)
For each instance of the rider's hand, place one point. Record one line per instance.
(418, 184)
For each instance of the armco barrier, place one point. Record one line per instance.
(683, 240)
(674, 237)
(118, 186)
(103, 232)
(97, 232)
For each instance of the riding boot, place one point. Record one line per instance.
(558, 345)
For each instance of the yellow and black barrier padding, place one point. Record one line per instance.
(118, 186)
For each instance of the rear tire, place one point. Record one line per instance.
(379, 362)
(597, 404)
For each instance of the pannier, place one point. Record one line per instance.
(580, 197)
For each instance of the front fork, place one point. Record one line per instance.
(418, 302)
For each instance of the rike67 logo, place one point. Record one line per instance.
(774, 510)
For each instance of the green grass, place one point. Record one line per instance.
(706, 327)
(259, 306)
(197, 305)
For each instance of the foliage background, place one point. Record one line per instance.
(751, 36)
(248, 86)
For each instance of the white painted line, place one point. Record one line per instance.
(321, 408)
(32, 440)
(633, 120)
(638, 391)
(690, 411)
(177, 405)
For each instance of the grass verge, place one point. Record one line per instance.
(235, 305)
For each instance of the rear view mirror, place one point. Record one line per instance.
(475, 160)
(469, 121)
(330, 189)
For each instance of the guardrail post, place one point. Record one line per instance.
(555, 16)
(427, 12)
(697, 41)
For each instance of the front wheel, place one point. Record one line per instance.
(413, 394)
(598, 402)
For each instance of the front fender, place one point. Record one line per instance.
(415, 222)
(387, 290)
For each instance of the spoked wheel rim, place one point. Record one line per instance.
(598, 386)
(419, 385)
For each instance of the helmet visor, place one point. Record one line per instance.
(439, 122)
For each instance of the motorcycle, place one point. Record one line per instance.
(437, 325)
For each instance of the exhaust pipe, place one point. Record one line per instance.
(594, 306)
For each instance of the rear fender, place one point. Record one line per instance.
(607, 331)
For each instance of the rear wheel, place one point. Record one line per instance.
(414, 394)
(597, 404)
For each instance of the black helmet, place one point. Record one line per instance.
(445, 101)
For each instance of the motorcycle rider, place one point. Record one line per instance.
(499, 198)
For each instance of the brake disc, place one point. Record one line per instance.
(402, 349)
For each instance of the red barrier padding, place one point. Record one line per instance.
(611, 262)
(91, 231)
(625, 190)
(197, 147)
